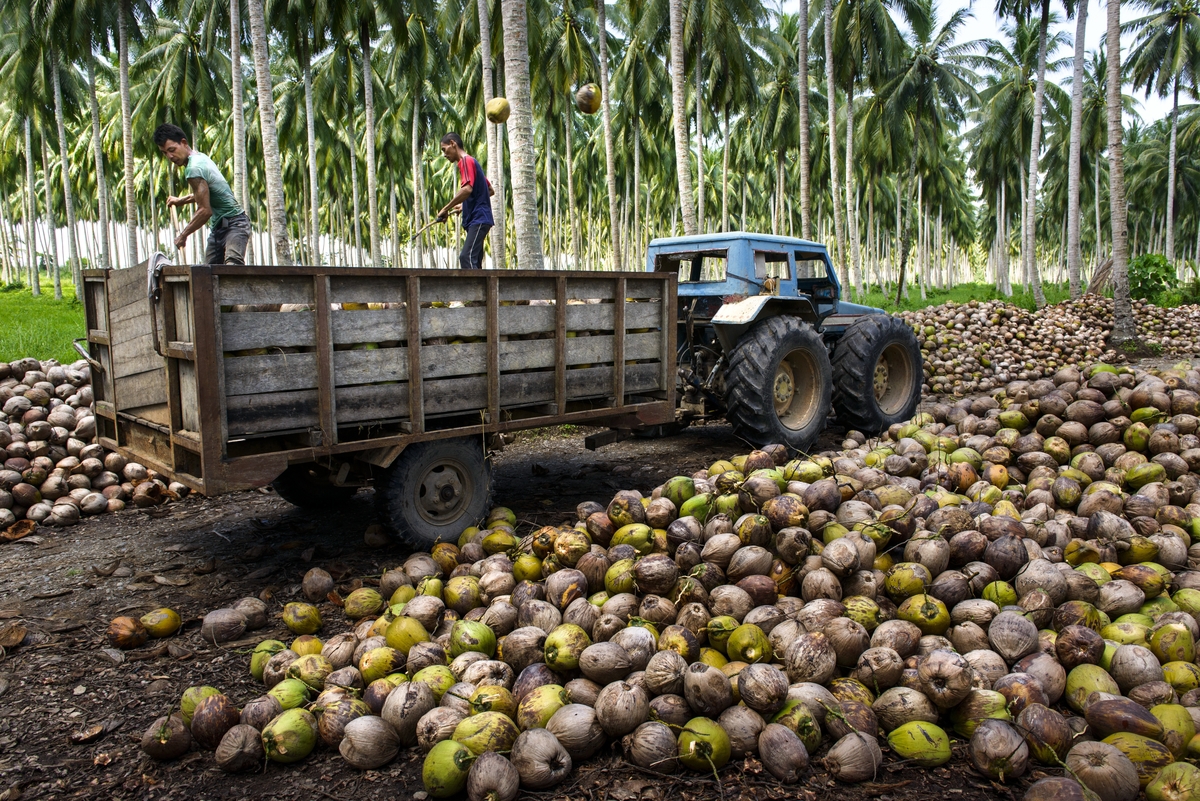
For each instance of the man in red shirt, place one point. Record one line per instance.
(474, 193)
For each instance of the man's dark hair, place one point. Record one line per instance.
(455, 138)
(168, 132)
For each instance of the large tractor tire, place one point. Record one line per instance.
(876, 374)
(308, 486)
(778, 384)
(434, 490)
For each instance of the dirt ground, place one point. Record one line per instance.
(63, 682)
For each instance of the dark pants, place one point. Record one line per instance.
(227, 241)
(471, 255)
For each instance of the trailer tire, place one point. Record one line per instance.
(778, 384)
(308, 486)
(877, 374)
(434, 490)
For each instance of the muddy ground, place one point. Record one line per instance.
(64, 585)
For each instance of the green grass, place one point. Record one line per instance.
(962, 293)
(40, 327)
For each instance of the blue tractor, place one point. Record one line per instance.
(766, 341)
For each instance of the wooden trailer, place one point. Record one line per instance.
(323, 380)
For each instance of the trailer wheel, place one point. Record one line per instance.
(778, 384)
(876, 374)
(308, 486)
(434, 490)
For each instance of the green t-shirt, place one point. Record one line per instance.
(220, 196)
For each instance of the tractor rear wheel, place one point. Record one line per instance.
(877, 374)
(778, 384)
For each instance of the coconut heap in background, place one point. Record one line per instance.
(1012, 572)
(52, 473)
(978, 347)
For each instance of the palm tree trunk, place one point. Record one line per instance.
(35, 283)
(576, 236)
(610, 166)
(276, 206)
(1074, 257)
(1124, 328)
(700, 197)
(852, 194)
(840, 256)
(687, 200)
(51, 228)
(802, 98)
(353, 145)
(637, 186)
(392, 218)
(310, 125)
(364, 37)
(1039, 96)
(240, 190)
(495, 161)
(65, 168)
(1170, 214)
(902, 227)
(127, 131)
(98, 155)
(725, 169)
(520, 134)
(418, 189)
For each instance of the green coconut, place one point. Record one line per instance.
(262, 654)
(564, 646)
(447, 764)
(302, 618)
(487, 731)
(1178, 781)
(703, 745)
(924, 743)
(404, 632)
(471, 635)
(290, 736)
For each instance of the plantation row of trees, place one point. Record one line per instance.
(916, 156)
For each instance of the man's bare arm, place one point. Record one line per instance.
(203, 211)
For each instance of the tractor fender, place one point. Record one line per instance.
(733, 320)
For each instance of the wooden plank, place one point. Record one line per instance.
(643, 378)
(326, 400)
(189, 397)
(276, 411)
(440, 361)
(590, 317)
(534, 354)
(265, 289)
(589, 382)
(358, 289)
(619, 342)
(521, 320)
(593, 350)
(520, 289)
(445, 395)
(457, 286)
(560, 345)
(136, 357)
(373, 403)
(454, 323)
(368, 325)
(643, 315)
(142, 389)
(96, 309)
(274, 372)
(181, 297)
(253, 330)
(416, 397)
(131, 312)
(493, 348)
(374, 366)
(126, 287)
(523, 389)
(643, 288)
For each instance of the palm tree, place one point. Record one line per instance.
(520, 133)
(240, 190)
(927, 96)
(610, 170)
(1074, 256)
(802, 121)
(839, 259)
(276, 209)
(687, 198)
(495, 159)
(1167, 53)
(1124, 328)
(125, 19)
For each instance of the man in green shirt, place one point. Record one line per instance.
(230, 227)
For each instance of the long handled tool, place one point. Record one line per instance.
(434, 222)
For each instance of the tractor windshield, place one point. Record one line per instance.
(707, 266)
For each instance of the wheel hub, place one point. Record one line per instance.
(441, 492)
(882, 374)
(785, 386)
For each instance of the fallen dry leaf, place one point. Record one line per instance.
(19, 529)
(102, 759)
(12, 635)
(334, 598)
(87, 735)
(104, 571)
(172, 582)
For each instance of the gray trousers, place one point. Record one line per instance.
(227, 241)
(471, 255)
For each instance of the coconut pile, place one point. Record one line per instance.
(1012, 572)
(52, 472)
(976, 347)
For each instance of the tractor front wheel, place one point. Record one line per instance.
(876, 374)
(778, 384)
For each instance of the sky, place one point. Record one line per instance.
(984, 24)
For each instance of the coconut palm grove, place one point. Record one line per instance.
(920, 157)
(825, 425)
